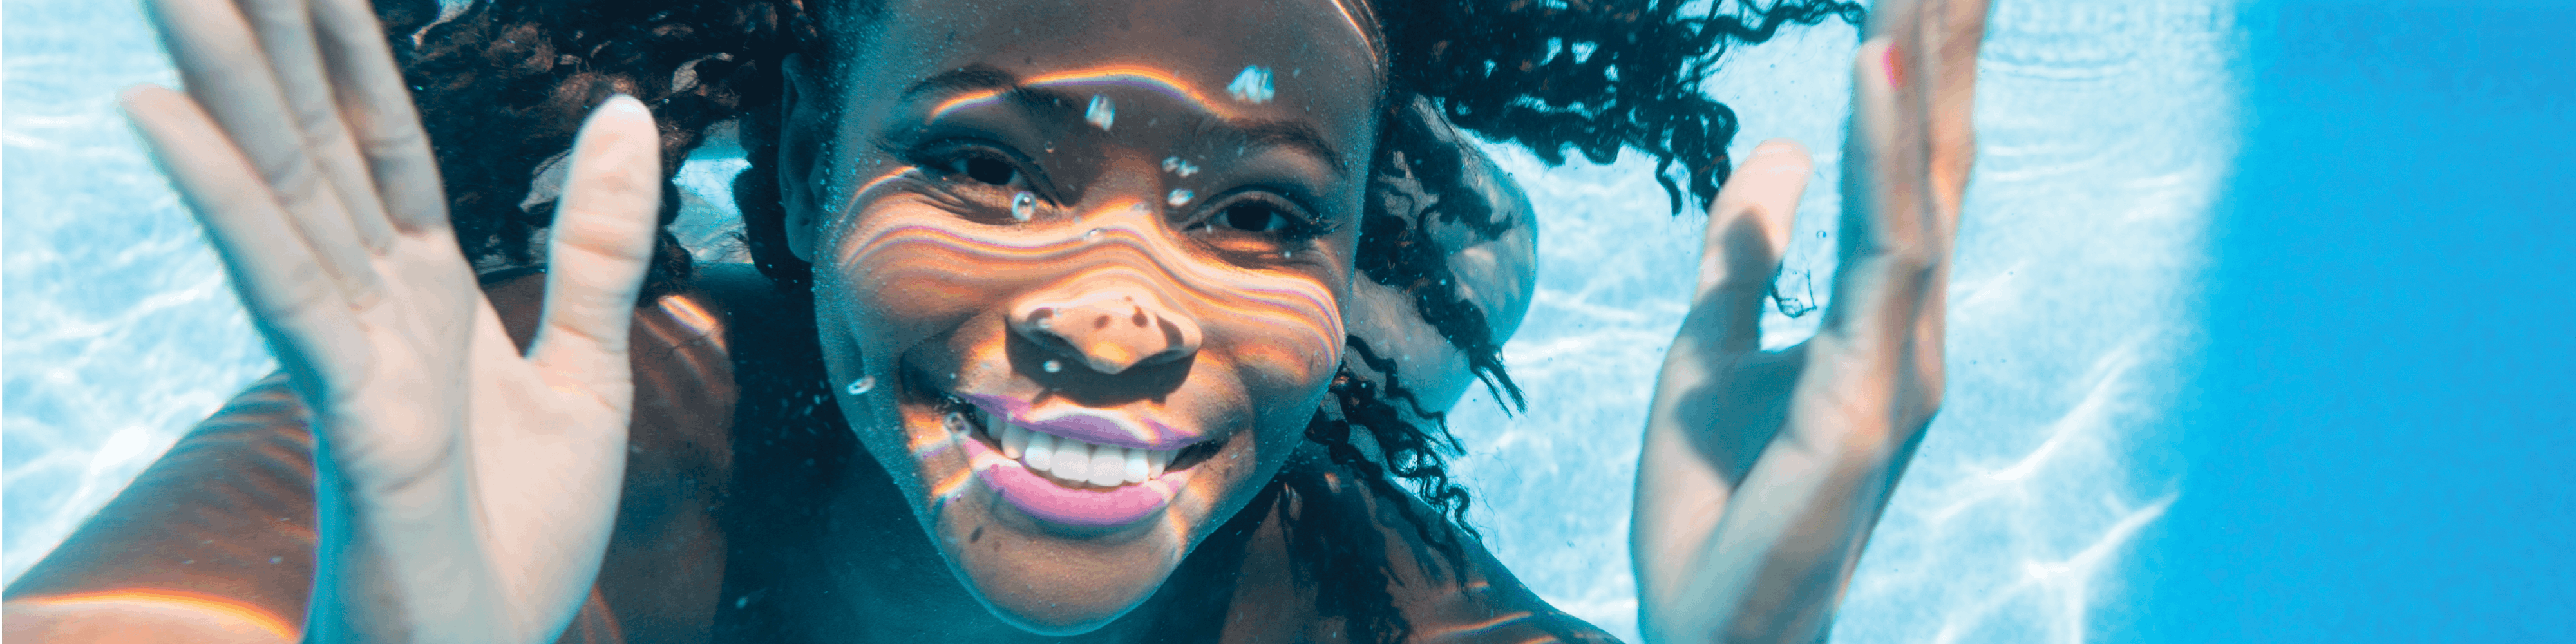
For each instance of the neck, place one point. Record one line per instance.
(859, 569)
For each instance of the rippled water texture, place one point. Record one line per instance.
(2106, 130)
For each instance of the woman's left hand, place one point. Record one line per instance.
(1764, 471)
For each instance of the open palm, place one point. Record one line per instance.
(1765, 470)
(467, 490)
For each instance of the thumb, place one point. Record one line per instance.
(601, 246)
(1748, 232)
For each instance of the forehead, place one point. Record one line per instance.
(1274, 59)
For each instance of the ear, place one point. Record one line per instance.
(801, 137)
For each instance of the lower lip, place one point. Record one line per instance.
(1043, 498)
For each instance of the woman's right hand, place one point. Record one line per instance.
(467, 490)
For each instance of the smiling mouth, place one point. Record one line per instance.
(1073, 462)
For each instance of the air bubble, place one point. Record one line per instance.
(1252, 86)
(1051, 366)
(1102, 112)
(863, 385)
(1179, 196)
(1023, 205)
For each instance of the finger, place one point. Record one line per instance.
(602, 244)
(225, 71)
(378, 110)
(1952, 33)
(1748, 232)
(285, 29)
(1886, 258)
(280, 279)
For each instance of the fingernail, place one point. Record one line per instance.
(622, 102)
(1895, 72)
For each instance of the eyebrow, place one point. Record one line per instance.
(970, 78)
(1288, 134)
(1250, 133)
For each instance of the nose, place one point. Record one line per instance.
(1110, 328)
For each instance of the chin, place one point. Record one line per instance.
(1061, 518)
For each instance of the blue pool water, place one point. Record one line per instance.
(2379, 442)
(2259, 328)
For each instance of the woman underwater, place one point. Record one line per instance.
(1143, 311)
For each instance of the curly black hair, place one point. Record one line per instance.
(1598, 76)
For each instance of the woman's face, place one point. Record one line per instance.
(1079, 269)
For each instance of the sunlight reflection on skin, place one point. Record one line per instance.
(937, 259)
(1122, 240)
(210, 605)
(926, 287)
(1470, 630)
(1136, 76)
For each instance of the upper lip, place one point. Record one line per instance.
(1096, 426)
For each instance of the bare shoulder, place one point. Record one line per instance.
(1449, 588)
(1480, 602)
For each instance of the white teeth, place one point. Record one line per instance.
(1076, 461)
(1015, 439)
(1109, 465)
(1073, 460)
(1136, 468)
(1040, 454)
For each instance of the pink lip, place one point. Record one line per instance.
(1086, 425)
(1053, 502)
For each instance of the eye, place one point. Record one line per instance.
(984, 169)
(1255, 216)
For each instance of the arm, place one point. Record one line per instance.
(215, 541)
(184, 553)
(1763, 472)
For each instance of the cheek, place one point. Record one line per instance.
(909, 272)
(901, 282)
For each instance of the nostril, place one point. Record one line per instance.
(1083, 324)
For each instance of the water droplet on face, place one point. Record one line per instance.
(1252, 86)
(1051, 366)
(1179, 196)
(1091, 234)
(1023, 205)
(1177, 166)
(1102, 112)
(863, 385)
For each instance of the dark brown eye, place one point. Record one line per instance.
(985, 169)
(1254, 216)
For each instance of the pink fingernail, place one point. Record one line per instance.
(1895, 74)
